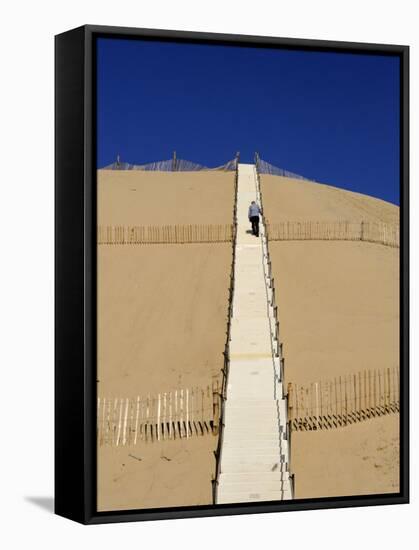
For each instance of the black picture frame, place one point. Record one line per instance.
(75, 275)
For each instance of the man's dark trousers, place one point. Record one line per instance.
(255, 225)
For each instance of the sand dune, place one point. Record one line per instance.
(145, 198)
(162, 315)
(338, 308)
(362, 459)
(162, 318)
(156, 475)
(287, 199)
(162, 321)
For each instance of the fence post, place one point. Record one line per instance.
(388, 385)
(215, 407)
(290, 401)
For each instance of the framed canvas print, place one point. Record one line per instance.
(231, 274)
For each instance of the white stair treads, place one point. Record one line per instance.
(254, 452)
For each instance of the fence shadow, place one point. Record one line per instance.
(343, 401)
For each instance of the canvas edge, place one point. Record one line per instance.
(81, 492)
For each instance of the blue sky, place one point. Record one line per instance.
(331, 117)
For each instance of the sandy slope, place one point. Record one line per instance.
(156, 475)
(162, 316)
(147, 198)
(361, 459)
(287, 199)
(338, 307)
(339, 313)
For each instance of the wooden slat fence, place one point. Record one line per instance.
(343, 400)
(164, 234)
(374, 232)
(180, 413)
